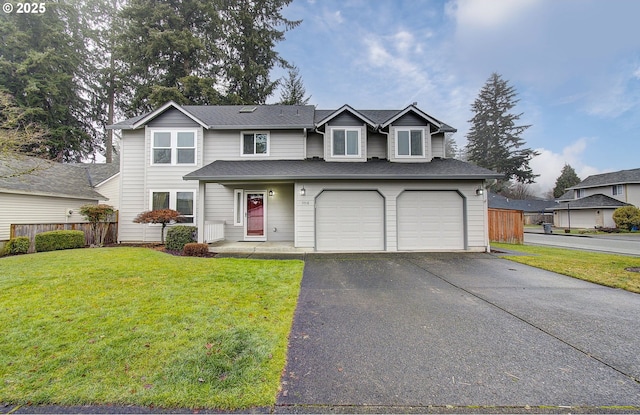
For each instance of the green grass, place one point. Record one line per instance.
(137, 326)
(604, 269)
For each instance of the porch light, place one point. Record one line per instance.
(303, 191)
(271, 192)
(479, 191)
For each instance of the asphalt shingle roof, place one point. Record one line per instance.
(42, 177)
(605, 179)
(443, 169)
(530, 205)
(591, 202)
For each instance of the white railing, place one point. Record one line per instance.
(213, 231)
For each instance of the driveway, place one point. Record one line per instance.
(414, 330)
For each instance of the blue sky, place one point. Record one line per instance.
(574, 63)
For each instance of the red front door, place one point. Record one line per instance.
(255, 214)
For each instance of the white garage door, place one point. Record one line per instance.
(430, 220)
(349, 221)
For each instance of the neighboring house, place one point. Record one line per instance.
(591, 203)
(34, 191)
(328, 180)
(535, 210)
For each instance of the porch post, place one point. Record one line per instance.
(202, 194)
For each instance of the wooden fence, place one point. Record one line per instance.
(30, 230)
(506, 225)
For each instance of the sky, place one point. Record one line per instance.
(575, 65)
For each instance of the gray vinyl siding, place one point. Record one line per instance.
(475, 207)
(437, 146)
(132, 184)
(410, 120)
(314, 145)
(376, 145)
(28, 209)
(345, 119)
(172, 118)
(225, 145)
(111, 190)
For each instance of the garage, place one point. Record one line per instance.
(430, 220)
(350, 220)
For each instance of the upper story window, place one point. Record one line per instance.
(173, 147)
(617, 189)
(409, 142)
(345, 142)
(579, 193)
(255, 144)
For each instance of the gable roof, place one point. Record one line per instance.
(30, 175)
(438, 169)
(591, 202)
(497, 201)
(233, 116)
(607, 179)
(274, 116)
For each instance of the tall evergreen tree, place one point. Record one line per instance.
(450, 146)
(494, 139)
(43, 61)
(252, 29)
(567, 179)
(293, 91)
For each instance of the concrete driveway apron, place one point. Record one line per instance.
(458, 329)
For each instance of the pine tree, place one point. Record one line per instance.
(494, 139)
(293, 90)
(450, 146)
(567, 178)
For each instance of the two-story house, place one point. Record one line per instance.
(327, 180)
(591, 202)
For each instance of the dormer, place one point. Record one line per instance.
(414, 136)
(345, 135)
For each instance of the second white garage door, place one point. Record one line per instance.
(350, 221)
(430, 220)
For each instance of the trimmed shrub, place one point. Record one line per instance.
(627, 217)
(16, 246)
(195, 249)
(54, 240)
(180, 235)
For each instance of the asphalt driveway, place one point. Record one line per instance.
(414, 330)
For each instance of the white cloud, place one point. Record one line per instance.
(549, 164)
(488, 14)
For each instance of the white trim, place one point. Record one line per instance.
(242, 134)
(238, 210)
(173, 200)
(424, 143)
(162, 109)
(173, 131)
(345, 155)
(264, 215)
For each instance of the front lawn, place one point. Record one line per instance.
(137, 326)
(604, 269)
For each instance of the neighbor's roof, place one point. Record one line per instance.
(438, 169)
(529, 205)
(272, 116)
(606, 179)
(597, 201)
(30, 175)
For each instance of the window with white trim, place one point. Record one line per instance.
(237, 207)
(579, 193)
(255, 143)
(182, 201)
(345, 142)
(617, 189)
(409, 142)
(173, 147)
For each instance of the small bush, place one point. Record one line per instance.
(180, 235)
(17, 246)
(54, 240)
(195, 249)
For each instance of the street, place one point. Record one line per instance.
(614, 243)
